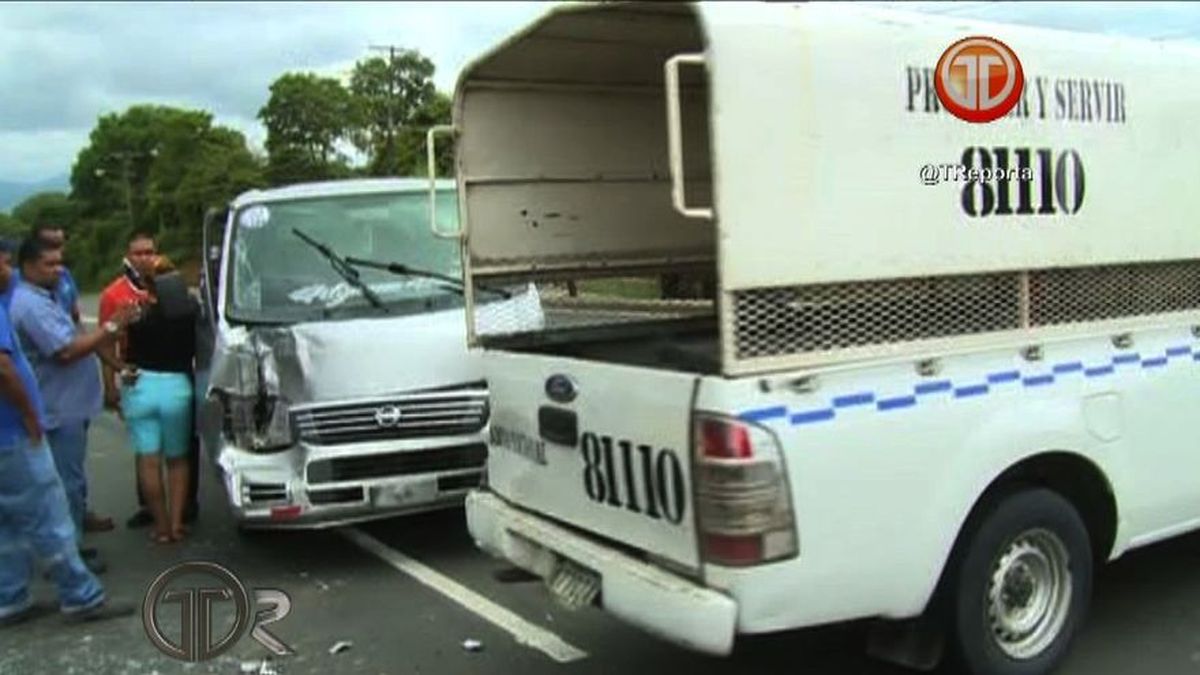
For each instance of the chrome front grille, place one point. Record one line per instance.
(423, 415)
(392, 464)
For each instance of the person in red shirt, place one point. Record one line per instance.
(125, 290)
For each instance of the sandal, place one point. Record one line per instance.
(179, 534)
(161, 538)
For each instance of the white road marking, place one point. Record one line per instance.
(524, 632)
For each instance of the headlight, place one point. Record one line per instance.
(258, 423)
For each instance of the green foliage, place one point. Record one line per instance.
(395, 102)
(54, 208)
(11, 227)
(384, 114)
(305, 117)
(152, 168)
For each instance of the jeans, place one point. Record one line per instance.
(34, 515)
(68, 444)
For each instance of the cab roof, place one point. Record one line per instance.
(337, 188)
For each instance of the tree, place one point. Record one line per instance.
(305, 117)
(54, 208)
(395, 99)
(153, 168)
(209, 171)
(11, 227)
(435, 112)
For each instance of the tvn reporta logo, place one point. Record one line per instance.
(979, 79)
(214, 610)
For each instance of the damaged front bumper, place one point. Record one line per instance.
(310, 487)
(642, 594)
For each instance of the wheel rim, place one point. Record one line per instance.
(1029, 594)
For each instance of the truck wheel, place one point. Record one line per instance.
(1021, 587)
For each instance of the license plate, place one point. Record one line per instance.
(572, 585)
(386, 496)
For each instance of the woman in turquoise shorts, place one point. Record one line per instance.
(156, 400)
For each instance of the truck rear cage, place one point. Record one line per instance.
(817, 321)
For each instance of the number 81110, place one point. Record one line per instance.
(634, 476)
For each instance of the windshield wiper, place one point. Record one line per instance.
(397, 268)
(343, 267)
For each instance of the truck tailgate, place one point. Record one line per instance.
(602, 447)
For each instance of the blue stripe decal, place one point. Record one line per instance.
(853, 400)
(1039, 380)
(924, 388)
(811, 416)
(1007, 376)
(933, 387)
(976, 390)
(1063, 368)
(764, 414)
(898, 402)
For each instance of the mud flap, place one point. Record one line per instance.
(914, 643)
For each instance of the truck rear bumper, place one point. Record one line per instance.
(661, 603)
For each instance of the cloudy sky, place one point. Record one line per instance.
(63, 64)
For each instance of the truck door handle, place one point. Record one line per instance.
(558, 425)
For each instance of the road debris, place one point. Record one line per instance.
(340, 647)
(472, 645)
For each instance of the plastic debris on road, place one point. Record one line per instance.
(472, 645)
(340, 647)
(263, 667)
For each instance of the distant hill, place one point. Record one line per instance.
(12, 193)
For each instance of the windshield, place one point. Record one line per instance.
(275, 276)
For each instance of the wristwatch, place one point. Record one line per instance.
(111, 327)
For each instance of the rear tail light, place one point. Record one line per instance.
(743, 499)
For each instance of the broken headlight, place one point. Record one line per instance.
(258, 423)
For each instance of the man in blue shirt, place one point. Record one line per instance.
(64, 361)
(67, 291)
(33, 506)
(67, 295)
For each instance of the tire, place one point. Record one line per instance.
(1021, 586)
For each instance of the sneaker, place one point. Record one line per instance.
(31, 612)
(140, 519)
(96, 565)
(108, 609)
(95, 523)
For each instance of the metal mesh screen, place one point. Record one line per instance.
(1112, 292)
(772, 322)
(801, 319)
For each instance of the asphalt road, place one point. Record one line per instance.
(1145, 616)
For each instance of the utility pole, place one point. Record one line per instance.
(390, 131)
(126, 158)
